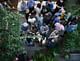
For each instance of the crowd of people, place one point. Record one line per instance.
(46, 21)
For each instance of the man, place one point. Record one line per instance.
(30, 5)
(60, 27)
(22, 6)
(24, 27)
(60, 3)
(1, 6)
(38, 9)
(56, 19)
(39, 21)
(72, 25)
(50, 5)
(44, 30)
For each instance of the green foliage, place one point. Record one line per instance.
(72, 40)
(10, 43)
(44, 56)
(72, 7)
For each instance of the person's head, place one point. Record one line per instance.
(59, 27)
(61, 1)
(58, 17)
(39, 5)
(56, 9)
(30, 0)
(49, 0)
(23, 0)
(74, 20)
(33, 12)
(25, 24)
(34, 28)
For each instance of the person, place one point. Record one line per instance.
(56, 19)
(27, 14)
(68, 16)
(1, 6)
(31, 20)
(60, 12)
(50, 5)
(43, 3)
(54, 35)
(47, 18)
(44, 10)
(56, 10)
(4, 4)
(39, 20)
(38, 9)
(31, 5)
(30, 13)
(54, 5)
(39, 37)
(22, 6)
(53, 38)
(24, 27)
(29, 42)
(59, 27)
(72, 25)
(60, 3)
(20, 57)
(57, 14)
(33, 29)
(44, 30)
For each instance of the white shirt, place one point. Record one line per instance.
(38, 10)
(54, 5)
(43, 3)
(25, 24)
(32, 20)
(36, 2)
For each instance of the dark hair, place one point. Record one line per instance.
(39, 5)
